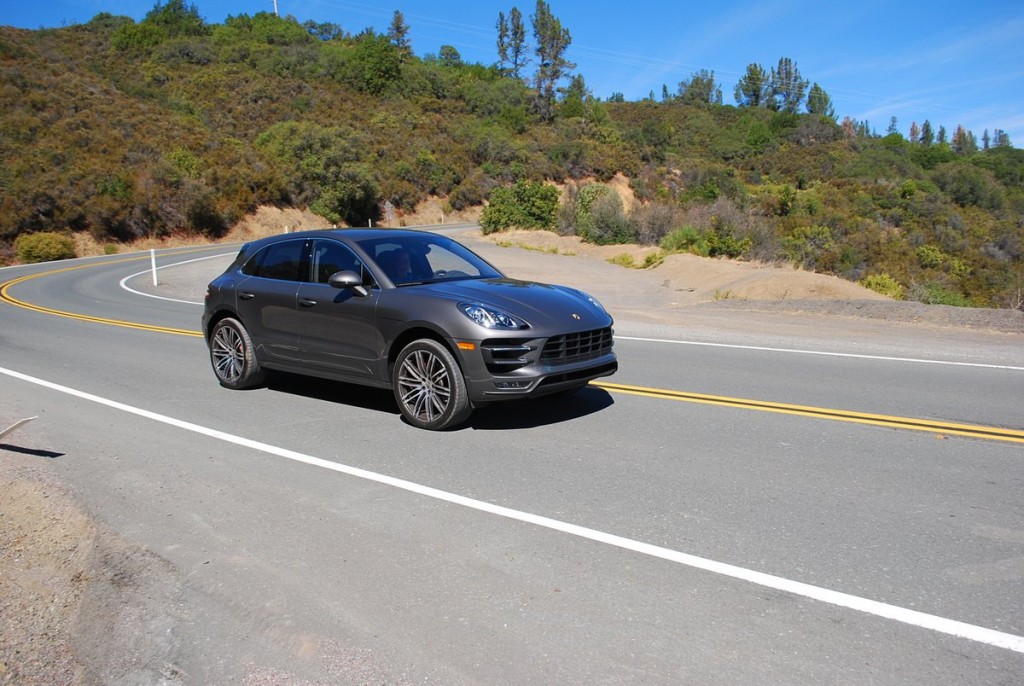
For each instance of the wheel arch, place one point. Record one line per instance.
(414, 334)
(215, 319)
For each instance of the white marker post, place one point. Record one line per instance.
(152, 260)
(15, 425)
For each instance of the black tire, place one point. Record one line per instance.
(429, 387)
(233, 357)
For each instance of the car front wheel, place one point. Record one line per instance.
(233, 357)
(429, 387)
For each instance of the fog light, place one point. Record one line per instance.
(511, 385)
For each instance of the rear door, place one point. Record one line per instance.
(267, 299)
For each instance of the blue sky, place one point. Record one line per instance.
(951, 63)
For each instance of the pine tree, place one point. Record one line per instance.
(753, 90)
(552, 42)
(819, 103)
(892, 126)
(398, 34)
(574, 104)
(915, 132)
(927, 134)
(503, 42)
(787, 88)
(700, 89)
(517, 53)
(964, 142)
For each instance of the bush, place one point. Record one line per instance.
(717, 241)
(686, 239)
(43, 247)
(967, 185)
(934, 293)
(930, 257)
(526, 205)
(808, 246)
(600, 218)
(884, 284)
(652, 222)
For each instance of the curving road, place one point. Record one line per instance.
(657, 528)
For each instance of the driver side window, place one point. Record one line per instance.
(329, 258)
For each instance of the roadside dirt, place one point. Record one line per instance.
(74, 596)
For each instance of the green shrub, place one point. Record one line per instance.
(136, 39)
(686, 239)
(884, 284)
(934, 293)
(718, 241)
(43, 247)
(600, 218)
(653, 259)
(724, 244)
(930, 256)
(526, 205)
(623, 260)
(807, 245)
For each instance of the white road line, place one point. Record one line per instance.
(911, 617)
(125, 280)
(796, 351)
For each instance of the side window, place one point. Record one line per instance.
(281, 261)
(329, 258)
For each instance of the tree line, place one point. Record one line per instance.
(128, 129)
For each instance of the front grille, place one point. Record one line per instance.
(577, 347)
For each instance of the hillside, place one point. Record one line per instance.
(130, 130)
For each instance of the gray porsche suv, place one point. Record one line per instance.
(412, 311)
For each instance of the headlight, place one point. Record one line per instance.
(490, 318)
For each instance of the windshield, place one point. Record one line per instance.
(427, 258)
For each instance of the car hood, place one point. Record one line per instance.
(539, 304)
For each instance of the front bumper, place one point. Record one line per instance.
(510, 368)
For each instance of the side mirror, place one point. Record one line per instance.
(348, 279)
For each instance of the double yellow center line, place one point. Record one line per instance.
(5, 296)
(936, 427)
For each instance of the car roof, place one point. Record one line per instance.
(345, 234)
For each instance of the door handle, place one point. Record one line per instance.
(246, 296)
(306, 302)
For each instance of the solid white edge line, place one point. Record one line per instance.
(872, 607)
(124, 282)
(795, 351)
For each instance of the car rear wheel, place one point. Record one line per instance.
(233, 356)
(429, 387)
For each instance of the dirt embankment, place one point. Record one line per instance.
(682, 287)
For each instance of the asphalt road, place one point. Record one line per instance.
(629, 534)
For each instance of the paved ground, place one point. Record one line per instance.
(55, 561)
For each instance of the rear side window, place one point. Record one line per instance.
(280, 261)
